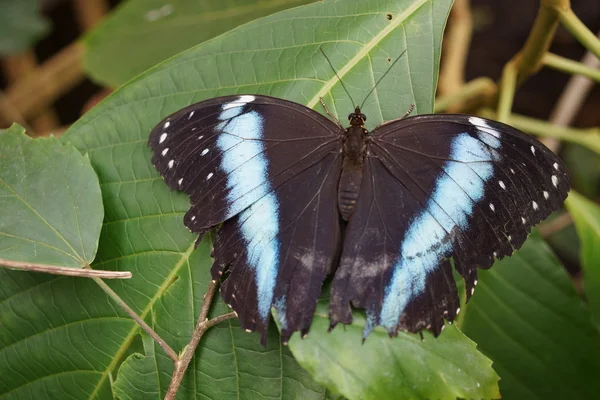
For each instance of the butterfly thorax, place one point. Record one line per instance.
(352, 170)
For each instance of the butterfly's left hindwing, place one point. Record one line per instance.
(268, 170)
(453, 186)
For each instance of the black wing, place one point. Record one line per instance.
(435, 187)
(267, 168)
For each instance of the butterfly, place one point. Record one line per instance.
(296, 197)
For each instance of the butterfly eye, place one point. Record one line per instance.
(350, 116)
(363, 116)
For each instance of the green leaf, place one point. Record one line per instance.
(142, 33)
(586, 215)
(20, 25)
(73, 335)
(50, 201)
(401, 368)
(527, 318)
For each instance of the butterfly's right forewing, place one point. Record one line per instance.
(267, 169)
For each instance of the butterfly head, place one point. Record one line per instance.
(357, 118)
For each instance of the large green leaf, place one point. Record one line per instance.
(586, 215)
(50, 201)
(448, 367)
(141, 33)
(20, 25)
(143, 230)
(527, 318)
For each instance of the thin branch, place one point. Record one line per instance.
(572, 97)
(203, 324)
(47, 82)
(65, 271)
(557, 224)
(580, 31)
(589, 137)
(457, 41)
(508, 86)
(170, 352)
(478, 90)
(571, 67)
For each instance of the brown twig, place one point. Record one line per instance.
(170, 352)
(47, 82)
(19, 66)
(203, 324)
(557, 224)
(65, 271)
(570, 101)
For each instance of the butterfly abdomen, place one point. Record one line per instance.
(352, 170)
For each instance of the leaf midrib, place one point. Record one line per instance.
(397, 21)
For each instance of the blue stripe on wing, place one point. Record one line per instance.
(428, 239)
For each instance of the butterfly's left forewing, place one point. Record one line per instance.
(453, 186)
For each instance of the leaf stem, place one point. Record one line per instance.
(569, 66)
(65, 271)
(470, 92)
(170, 352)
(580, 31)
(181, 364)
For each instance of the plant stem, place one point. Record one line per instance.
(456, 48)
(471, 91)
(529, 59)
(589, 137)
(508, 86)
(202, 326)
(65, 271)
(170, 352)
(571, 67)
(580, 31)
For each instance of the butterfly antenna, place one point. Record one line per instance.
(340, 79)
(383, 76)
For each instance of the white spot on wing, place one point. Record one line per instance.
(193, 217)
(546, 195)
(512, 170)
(535, 205)
(162, 137)
(495, 254)
(167, 124)
(457, 310)
(209, 176)
(165, 151)
(240, 101)
(171, 163)
(200, 137)
(532, 150)
(191, 115)
(502, 185)
(180, 181)
(555, 165)
(523, 220)
(204, 152)
(492, 207)
(486, 133)
(554, 180)
(475, 283)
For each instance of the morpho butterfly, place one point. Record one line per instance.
(297, 197)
